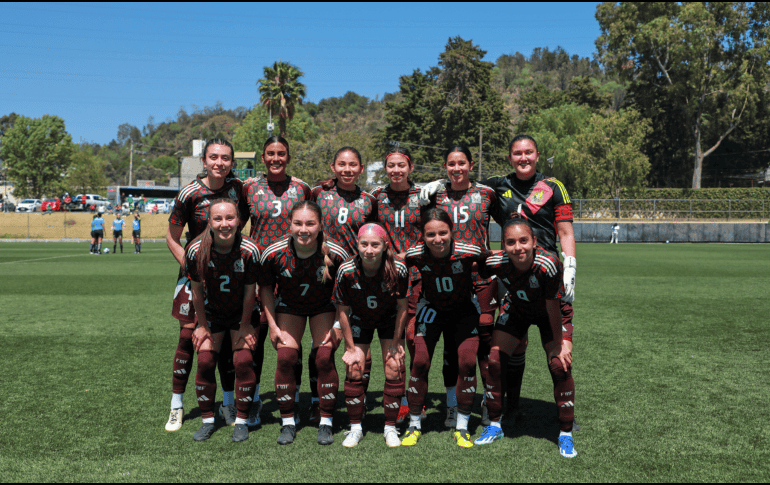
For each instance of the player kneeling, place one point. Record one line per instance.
(533, 278)
(223, 266)
(371, 294)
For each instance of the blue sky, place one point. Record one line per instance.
(100, 65)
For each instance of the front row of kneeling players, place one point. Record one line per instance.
(371, 294)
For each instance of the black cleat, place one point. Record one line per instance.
(207, 429)
(288, 433)
(240, 433)
(325, 436)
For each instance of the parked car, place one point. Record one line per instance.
(29, 205)
(159, 206)
(91, 199)
(7, 206)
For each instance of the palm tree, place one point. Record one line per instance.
(280, 89)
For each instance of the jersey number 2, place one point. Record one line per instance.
(223, 287)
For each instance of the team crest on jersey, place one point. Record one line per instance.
(533, 282)
(503, 319)
(475, 198)
(356, 330)
(421, 331)
(537, 196)
(360, 203)
(414, 201)
(319, 274)
(239, 266)
(232, 194)
(292, 193)
(184, 309)
(457, 267)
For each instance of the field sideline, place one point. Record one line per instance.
(670, 371)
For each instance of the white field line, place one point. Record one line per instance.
(54, 257)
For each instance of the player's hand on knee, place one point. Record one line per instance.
(201, 336)
(354, 357)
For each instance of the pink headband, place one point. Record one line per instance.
(402, 154)
(374, 228)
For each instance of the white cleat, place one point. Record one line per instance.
(392, 439)
(451, 417)
(228, 413)
(175, 419)
(353, 437)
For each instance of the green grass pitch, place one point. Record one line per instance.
(670, 368)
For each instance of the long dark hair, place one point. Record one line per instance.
(435, 214)
(517, 220)
(275, 139)
(207, 240)
(309, 204)
(218, 141)
(329, 183)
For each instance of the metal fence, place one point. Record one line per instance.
(671, 209)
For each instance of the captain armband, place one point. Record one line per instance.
(563, 213)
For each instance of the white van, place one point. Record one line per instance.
(91, 199)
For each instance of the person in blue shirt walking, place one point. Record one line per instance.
(137, 233)
(97, 233)
(117, 232)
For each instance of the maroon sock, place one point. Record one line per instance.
(515, 374)
(312, 370)
(485, 344)
(298, 368)
(205, 382)
(285, 383)
(354, 400)
(258, 353)
(418, 381)
(563, 393)
(245, 380)
(225, 364)
(367, 373)
(328, 381)
(494, 387)
(466, 378)
(391, 400)
(183, 361)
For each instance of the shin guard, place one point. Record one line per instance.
(312, 370)
(285, 383)
(183, 361)
(354, 400)
(418, 382)
(328, 381)
(466, 378)
(258, 354)
(514, 377)
(205, 383)
(298, 368)
(245, 382)
(563, 393)
(367, 373)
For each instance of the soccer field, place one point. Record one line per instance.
(670, 370)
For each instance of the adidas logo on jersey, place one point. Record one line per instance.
(356, 286)
(239, 266)
(505, 280)
(457, 267)
(211, 264)
(508, 193)
(425, 268)
(286, 273)
(475, 331)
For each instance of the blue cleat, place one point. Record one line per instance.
(490, 434)
(566, 448)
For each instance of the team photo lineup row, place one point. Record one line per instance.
(411, 263)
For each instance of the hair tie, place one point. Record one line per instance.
(402, 154)
(376, 229)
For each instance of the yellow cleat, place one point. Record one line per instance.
(463, 439)
(411, 437)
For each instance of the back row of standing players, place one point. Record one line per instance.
(437, 288)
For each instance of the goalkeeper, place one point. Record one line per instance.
(544, 202)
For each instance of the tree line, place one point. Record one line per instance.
(676, 95)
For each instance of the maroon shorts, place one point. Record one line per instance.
(516, 324)
(182, 308)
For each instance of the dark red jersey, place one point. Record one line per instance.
(270, 204)
(371, 304)
(544, 201)
(300, 281)
(192, 204)
(447, 282)
(528, 291)
(470, 210)
(226, 278)
(344, 212)
(399, 212)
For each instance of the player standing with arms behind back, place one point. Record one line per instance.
(136, 232)
(223, 266)
(271, 197)
(547, 206)
(191, 209)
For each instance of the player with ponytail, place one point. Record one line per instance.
(371, 294)
(301, 269)
(223, 266)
